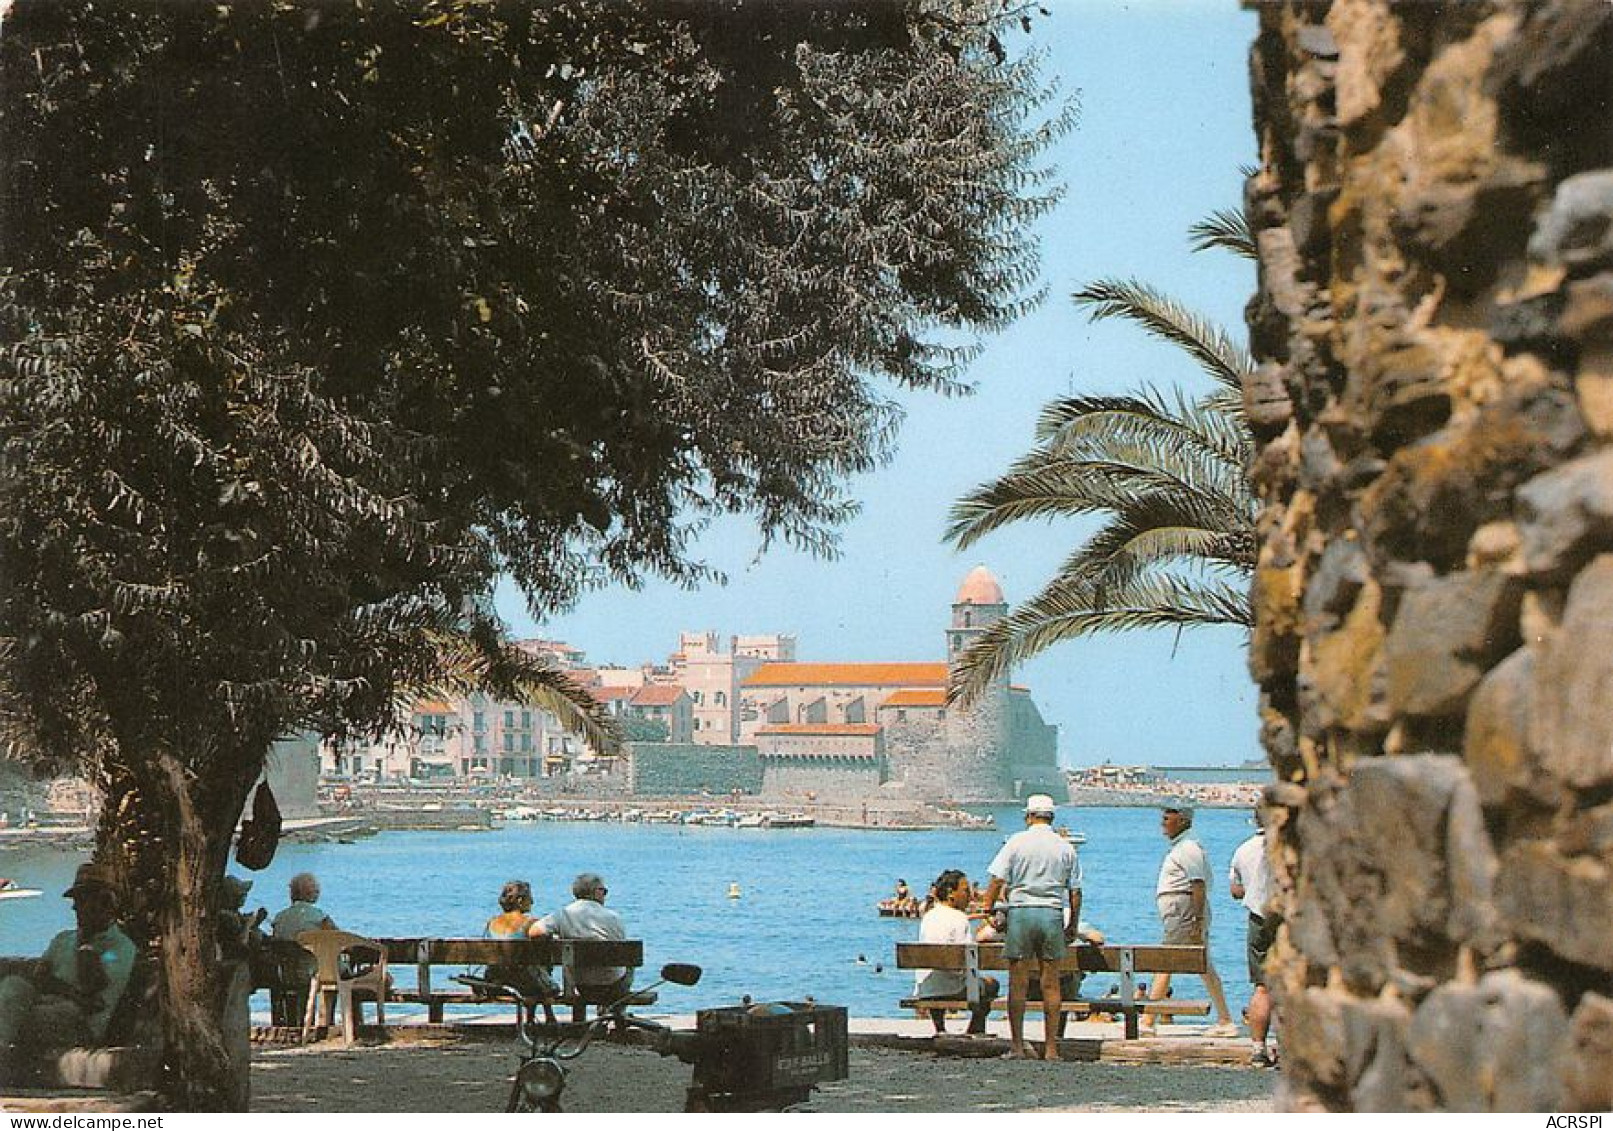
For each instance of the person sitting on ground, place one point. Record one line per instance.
(513, 921)
(69, 997)
(587, 917)
(947, 921)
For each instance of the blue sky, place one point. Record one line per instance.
(1164, 127)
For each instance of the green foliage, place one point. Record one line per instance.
(1176, 544)
(323, 316)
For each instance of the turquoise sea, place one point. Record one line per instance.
(805, 915)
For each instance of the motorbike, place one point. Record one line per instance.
(541, 1078)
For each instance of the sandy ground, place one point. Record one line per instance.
(452, 1075)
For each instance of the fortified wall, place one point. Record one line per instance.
(1434, 646)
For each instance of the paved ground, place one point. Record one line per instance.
(452, 1074)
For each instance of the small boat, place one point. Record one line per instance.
(899, 909)
(788, 821)
(751, 821)
(1077, 839)
(11, 889)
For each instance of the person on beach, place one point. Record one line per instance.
(947, 921)
(68, 998)
(587, 917)
(1250, 878)
(1038, 870)
(1182, 896)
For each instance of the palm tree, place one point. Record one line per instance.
(1167, 474)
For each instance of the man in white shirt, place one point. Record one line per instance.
(1183, 897)
(587, 917)
(1250, 878)
(947, 921)
(1039, 870)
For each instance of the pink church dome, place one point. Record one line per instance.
(980, 588)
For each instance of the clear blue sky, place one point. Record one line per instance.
(1164, 127)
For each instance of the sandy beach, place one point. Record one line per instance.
(459, 1073)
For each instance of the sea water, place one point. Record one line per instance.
(804, 923)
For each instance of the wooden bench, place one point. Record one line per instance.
(1125, 961)
(426, 954)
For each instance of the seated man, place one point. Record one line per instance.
(587, 917)
(69, 998)
(947, 921)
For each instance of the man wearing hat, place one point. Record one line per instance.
(70, 996)
(1183, 897)
(1039, 871)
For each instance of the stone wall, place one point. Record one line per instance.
(845, 780)
(666, 769)
(1434, 597)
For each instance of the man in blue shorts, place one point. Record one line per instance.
(1039, 871)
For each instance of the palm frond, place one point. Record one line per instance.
(470, 662)
(1064, 611)
(1048, 484)
(1145, 418)
(1227, 229)
(1164, 318)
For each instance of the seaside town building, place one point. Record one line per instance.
(844, 730)
(750, 717)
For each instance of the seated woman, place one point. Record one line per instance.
(512, 922)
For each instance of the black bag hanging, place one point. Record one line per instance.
(260, 833)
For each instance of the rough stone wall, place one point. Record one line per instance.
(665, 769)
(1434, 412)
(826, 779)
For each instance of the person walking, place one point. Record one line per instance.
(1183, 897)
(1039, 871)
(1250, 878)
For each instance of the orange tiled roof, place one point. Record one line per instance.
(432, 707)
(849, 675)
(917, 697)
(657, 695)
(612, 694)
(821, 728)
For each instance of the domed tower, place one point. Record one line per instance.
(979, 603)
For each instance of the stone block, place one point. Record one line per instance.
(1563, 903)
(1464, 229)
(1571, 725)
(1495, 544)
(1265, 400)
(1398, 856)
(1466, 1040)
(1588, 310)
(1577, 229)
(1313, 1036)
(1588, 1074)
(1565, 513)
(1381, 1076)
(1347, 674)
(1496, 744)
(1367, 34)
(1588, 833)
(1446, 634)
(1341, 573)
(1315, 40)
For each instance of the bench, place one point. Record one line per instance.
(1125, 961)
(426, 954)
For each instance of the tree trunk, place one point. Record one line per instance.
(167, 830)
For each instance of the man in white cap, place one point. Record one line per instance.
(1039, 871)
(1183, 896)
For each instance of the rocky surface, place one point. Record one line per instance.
(1434, 595)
